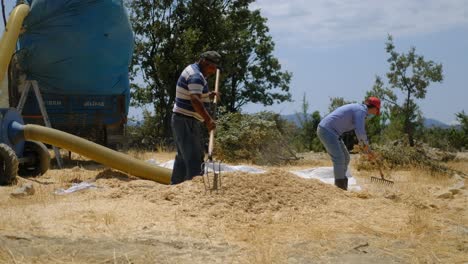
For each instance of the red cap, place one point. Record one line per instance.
(374, 101)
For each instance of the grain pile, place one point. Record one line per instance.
(273, 217)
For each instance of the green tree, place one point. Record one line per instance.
(462, 143)
(376, 125)
(336, 102)
(450, 139)
(463, 119)
(411, 74)
(141, 135)
(308, 123)
(169, 35)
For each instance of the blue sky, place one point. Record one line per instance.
(335, 48)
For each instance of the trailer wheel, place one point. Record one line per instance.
(8, 165)
(38, 159)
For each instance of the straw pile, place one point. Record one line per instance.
(273, 217)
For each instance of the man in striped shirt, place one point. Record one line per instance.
(189, 114)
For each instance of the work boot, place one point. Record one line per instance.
(342, 183)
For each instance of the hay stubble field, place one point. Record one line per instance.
(274, 217)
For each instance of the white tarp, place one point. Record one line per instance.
(76, 187)
(324, 174)
(217, 166)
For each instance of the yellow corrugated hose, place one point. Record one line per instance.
(10, 36)
(98, 153)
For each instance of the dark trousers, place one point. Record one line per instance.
(187, 132)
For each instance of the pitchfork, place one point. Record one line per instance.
(211, 168)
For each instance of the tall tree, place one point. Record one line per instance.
(463, 119)
(336, 102)
(170, 34)
(375, 125)
(308, 124)
(411, 74)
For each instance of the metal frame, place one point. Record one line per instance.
(42, 107)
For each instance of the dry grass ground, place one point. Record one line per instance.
(274, 217)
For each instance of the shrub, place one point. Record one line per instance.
(257, 138)
(401, 155)
(143, 135)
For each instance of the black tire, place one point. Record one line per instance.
(40, 159)
(8, 165)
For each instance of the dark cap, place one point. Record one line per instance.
(211, 56)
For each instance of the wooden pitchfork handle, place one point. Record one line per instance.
(212, 132)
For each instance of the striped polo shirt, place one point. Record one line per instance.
(191, 81)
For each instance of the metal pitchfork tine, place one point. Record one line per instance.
(212, 169)
(215, 184)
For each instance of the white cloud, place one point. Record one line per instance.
(318, 22)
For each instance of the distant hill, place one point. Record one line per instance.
(133, 123)
(428, 122)
(291, 118)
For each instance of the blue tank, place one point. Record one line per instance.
(79, 52)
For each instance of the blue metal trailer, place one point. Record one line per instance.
(79, 52)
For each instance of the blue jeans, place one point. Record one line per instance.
(337, 151)
(187, 132)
